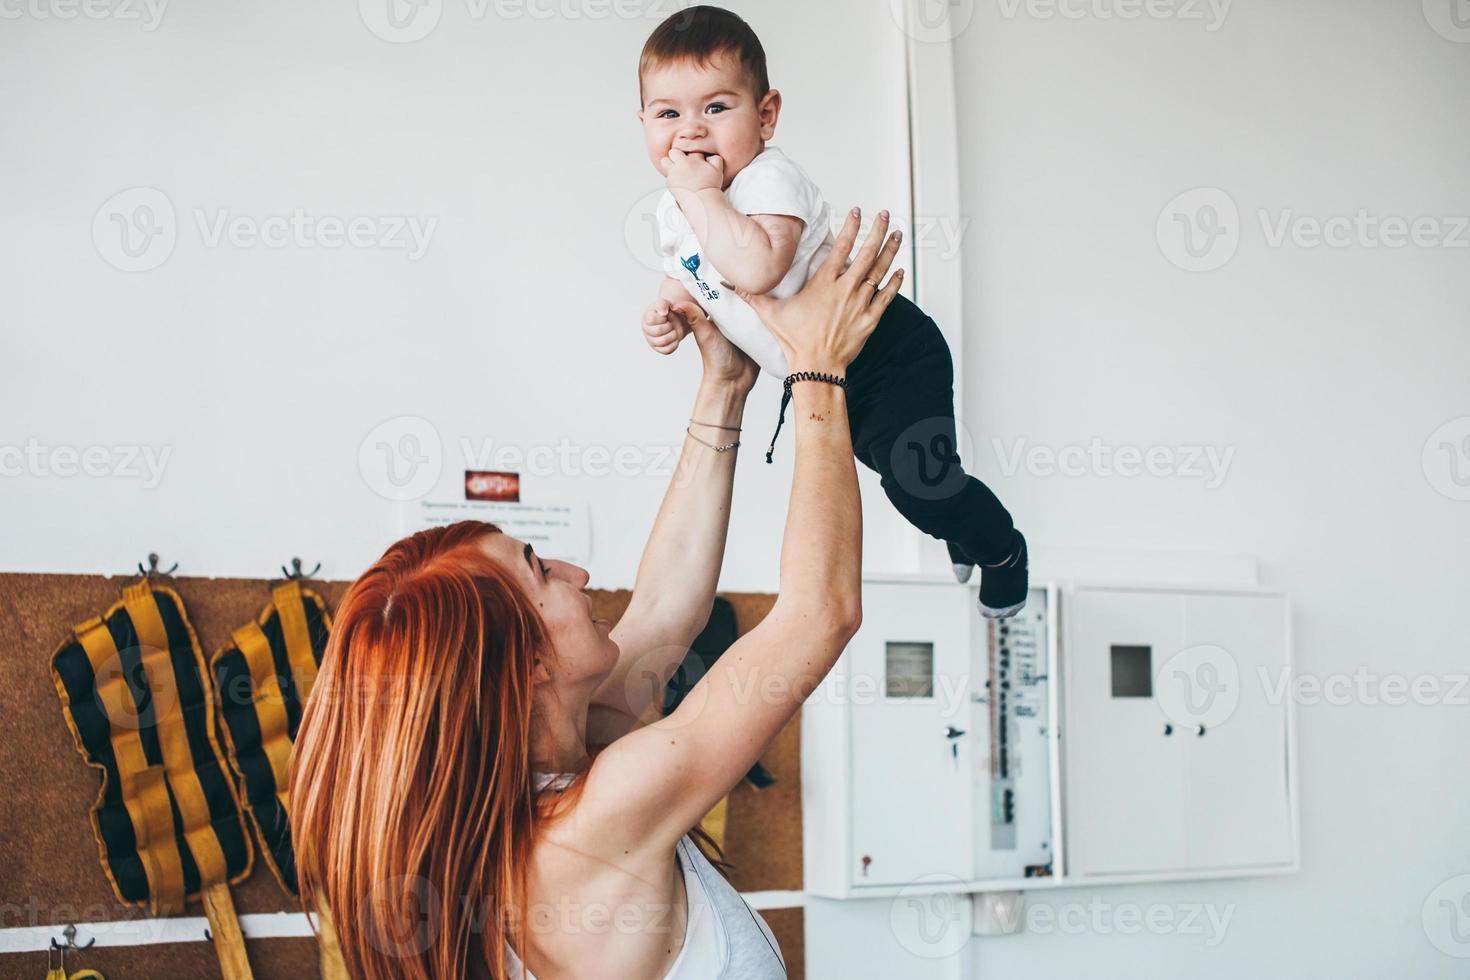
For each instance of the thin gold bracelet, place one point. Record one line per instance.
(719, 449)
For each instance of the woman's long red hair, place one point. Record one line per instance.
(412, 808)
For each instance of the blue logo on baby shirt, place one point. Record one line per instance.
(691, 264)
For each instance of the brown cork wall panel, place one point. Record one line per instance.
(49, 867)
(763, 827)
(272, 959)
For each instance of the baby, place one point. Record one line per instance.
(740, 211)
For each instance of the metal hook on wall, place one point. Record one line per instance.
(70, 935)
(296, 574)
(153, 571)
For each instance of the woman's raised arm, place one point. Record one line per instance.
(662, 778)
(681, 562)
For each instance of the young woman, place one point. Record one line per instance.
(481, 785)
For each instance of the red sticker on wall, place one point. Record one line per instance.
(490, 485)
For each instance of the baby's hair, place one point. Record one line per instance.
(698, 34)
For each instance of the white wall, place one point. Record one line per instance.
(1326, 370)
(260, 371)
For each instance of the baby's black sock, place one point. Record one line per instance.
(1004, 585)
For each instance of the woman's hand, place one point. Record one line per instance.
(724, 363)
(823, 327)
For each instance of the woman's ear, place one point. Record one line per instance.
(539, 673)
(770, 111)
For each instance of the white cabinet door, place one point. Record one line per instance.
(1124, 758)
(1236, 808)
(1211, 794)
(907, 677)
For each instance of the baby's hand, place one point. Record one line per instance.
(663, 327)
(667, 321)
(693, 171)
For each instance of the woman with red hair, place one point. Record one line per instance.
(481, 785)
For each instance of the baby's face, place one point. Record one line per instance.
(706, 109)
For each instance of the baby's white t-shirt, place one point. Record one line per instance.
(770, 184)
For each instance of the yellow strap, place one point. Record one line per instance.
(143, 792)
(172, 737)
(270, 707)
(229, 942)
(290, 604)
(150, 787)
(86, 975)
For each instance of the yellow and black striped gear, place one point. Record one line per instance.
(264, 675)
(136, 696)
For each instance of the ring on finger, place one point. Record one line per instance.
(870, 282)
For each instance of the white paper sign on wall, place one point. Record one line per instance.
(554, 530)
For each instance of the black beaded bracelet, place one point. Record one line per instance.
(791, 379)
(831, 379)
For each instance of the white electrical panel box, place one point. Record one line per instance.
(1178, 759)
(928, 752)
(1103, 734)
